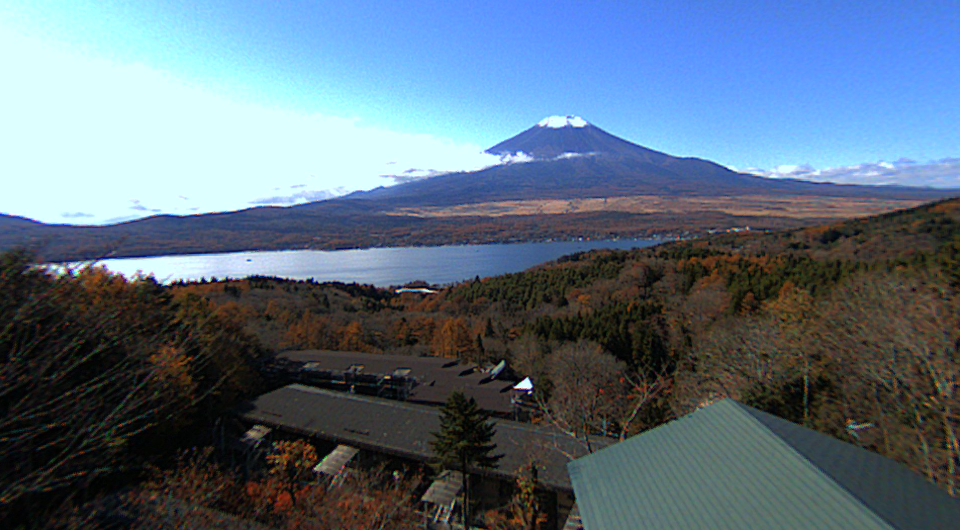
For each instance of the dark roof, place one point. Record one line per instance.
(438, 376)
(729, 466)
(405, 429)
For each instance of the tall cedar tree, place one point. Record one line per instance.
(465, 440)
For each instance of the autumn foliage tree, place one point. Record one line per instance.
(593, 394)
(453, 339)
(897, 340)
(309, 331)
(585, 398)
(90, 364)
(200, 493)
(524, 511)
(195, 492)
(291, 463)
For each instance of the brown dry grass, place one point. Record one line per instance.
(796, 207)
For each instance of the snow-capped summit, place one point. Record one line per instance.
(568, 137)
(557, 122)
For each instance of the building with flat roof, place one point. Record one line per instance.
(403, 431)
(425, 380)
(729, 466)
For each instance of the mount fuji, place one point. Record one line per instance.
(566, 157)
(561, 178)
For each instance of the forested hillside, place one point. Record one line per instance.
(101, 377)
(851, 329)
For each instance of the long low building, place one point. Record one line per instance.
(426, 380)
(404, 431)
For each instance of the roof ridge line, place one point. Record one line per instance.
(424, 409)
(741, 409)
(357, 397)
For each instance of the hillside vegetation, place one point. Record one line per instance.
(834, 327)
(100, 377)
(851, 329)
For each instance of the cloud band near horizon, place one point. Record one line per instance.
(943, 173)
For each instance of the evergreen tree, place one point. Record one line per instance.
(465, 440)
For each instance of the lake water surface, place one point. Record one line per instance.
(378, 266)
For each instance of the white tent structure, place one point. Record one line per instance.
(524, 386)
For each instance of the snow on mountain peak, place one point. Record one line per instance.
(557, 122)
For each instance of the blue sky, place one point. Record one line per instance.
(112, 110)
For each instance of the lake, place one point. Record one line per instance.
(382, 267)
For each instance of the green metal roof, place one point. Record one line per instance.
(728, 466)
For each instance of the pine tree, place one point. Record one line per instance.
(465, 440)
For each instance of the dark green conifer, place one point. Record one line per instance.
(465, 440)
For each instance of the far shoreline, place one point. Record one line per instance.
(382, 267)
(662, 238)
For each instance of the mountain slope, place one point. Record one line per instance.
(573, 159)
(569, 160)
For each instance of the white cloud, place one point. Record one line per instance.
(300, 197)
(87, 134)
(516, 158)
(943, 173)
(558, 122)
(565, 156)
(413, 174)
(482, 161)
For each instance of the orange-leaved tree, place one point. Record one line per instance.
(292, 464)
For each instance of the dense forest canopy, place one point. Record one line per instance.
(851, 329)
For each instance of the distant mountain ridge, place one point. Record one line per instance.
(568, 162)
(570, 158)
